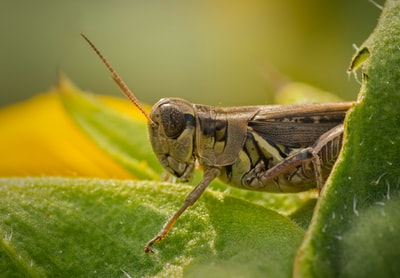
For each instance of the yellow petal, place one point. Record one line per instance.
(38, 138)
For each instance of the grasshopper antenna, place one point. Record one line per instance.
(121, 84)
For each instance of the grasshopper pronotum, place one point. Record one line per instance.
(274, 148)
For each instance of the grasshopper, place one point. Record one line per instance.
(273, 148)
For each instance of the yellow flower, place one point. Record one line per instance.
(40, 137)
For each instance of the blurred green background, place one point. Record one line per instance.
(210, 51)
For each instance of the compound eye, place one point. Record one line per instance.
(173, 120)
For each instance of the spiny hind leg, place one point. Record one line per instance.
(325, 150)
(260, 177)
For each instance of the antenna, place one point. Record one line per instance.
(121, 84)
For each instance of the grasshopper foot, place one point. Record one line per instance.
(149, 245)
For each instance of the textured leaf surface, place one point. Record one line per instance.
(93, 227)
(355, 230)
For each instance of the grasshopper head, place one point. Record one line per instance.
(172, 135)
(171, 127)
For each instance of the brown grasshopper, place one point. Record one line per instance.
(274, 148)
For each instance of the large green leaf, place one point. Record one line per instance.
(97, 228)
(355, 230)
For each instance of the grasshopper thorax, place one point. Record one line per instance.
(172, 136)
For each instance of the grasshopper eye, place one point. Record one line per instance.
(173, 120)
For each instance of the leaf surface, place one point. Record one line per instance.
(92, 227)
(354, 232)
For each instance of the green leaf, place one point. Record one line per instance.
(121, 137)
(59, 227)
(355, 230)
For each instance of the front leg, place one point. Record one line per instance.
(210, 173)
